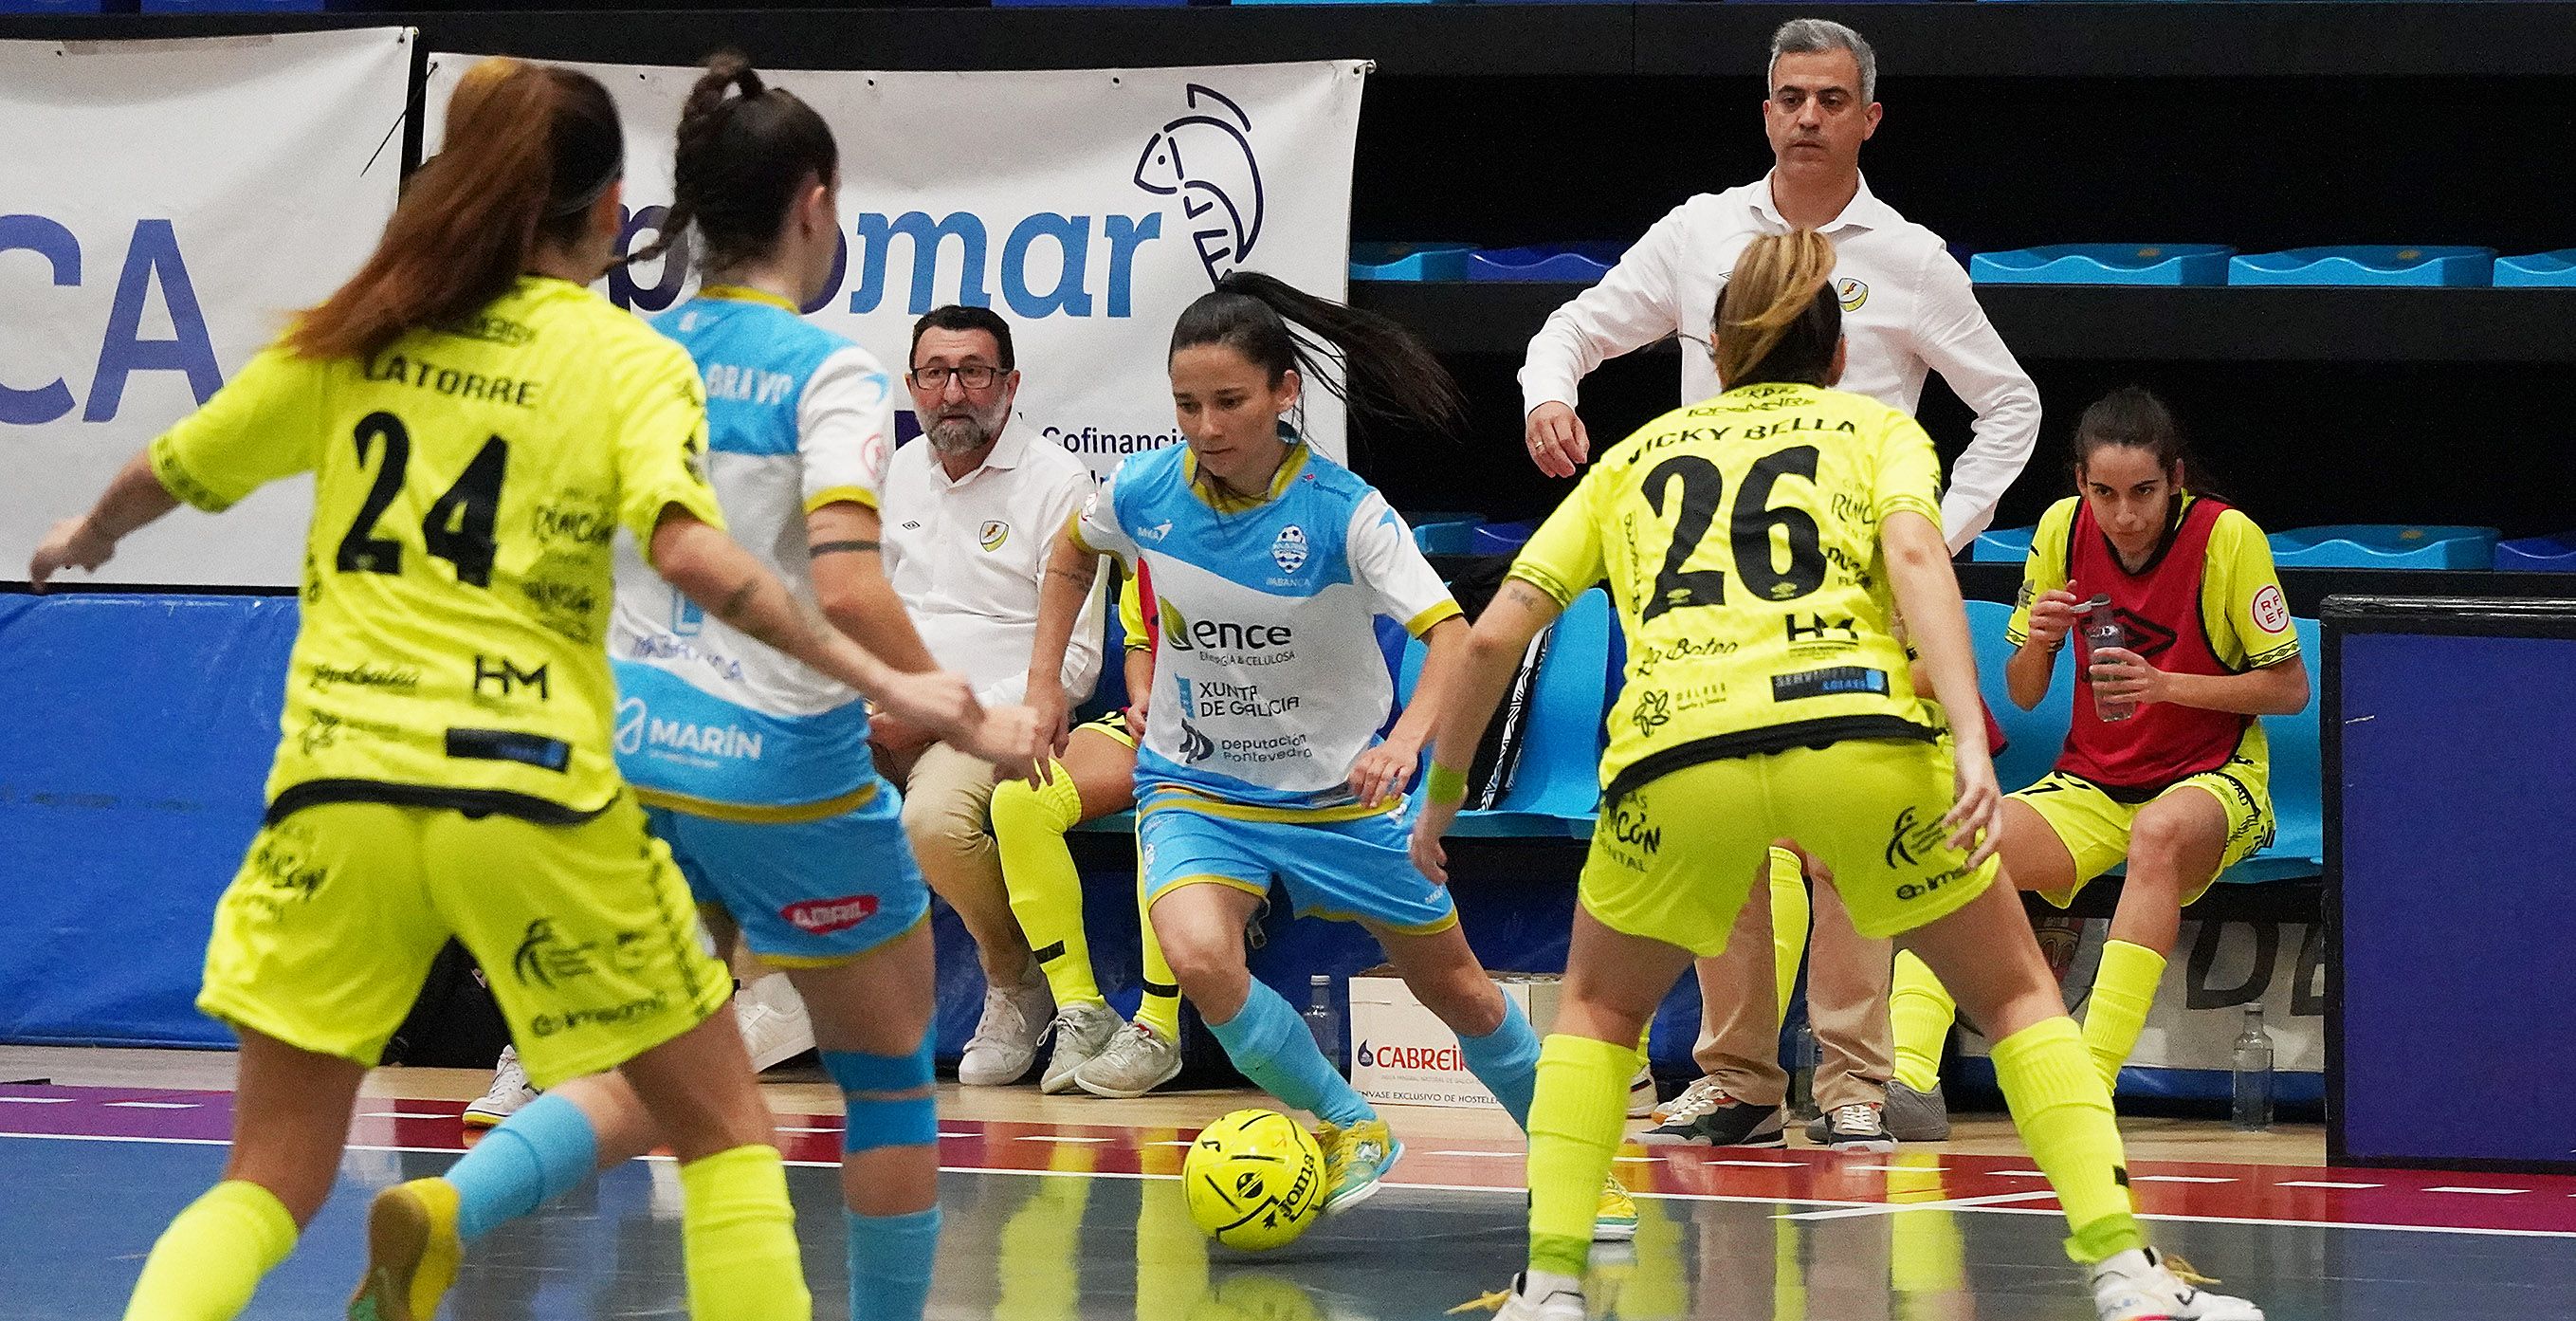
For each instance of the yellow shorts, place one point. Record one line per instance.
(1674, 858)
(1112, 725)
(586, 933)
(2095, 827)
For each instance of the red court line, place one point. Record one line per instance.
(2396, 1199)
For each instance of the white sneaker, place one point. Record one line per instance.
(2143, 1284)
(1641, 1093)
(1137, 1060)
(774, 1025)
(1081, 1032)
(1695, 1100)
(1006, 1038)
(1560, 1303)
(510, 1090)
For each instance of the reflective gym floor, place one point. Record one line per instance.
(1064, 1208)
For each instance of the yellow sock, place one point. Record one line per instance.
(1921, 1011)
(211, 1258)
(1789, 920)
(2064, 1114)
(738, 1239)
(1926, 1253)
(1160, 1006)
(1045, 888)
(1576, 1120)
(2123, 990)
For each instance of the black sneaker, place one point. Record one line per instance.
(1719, 1120)
(1857, 1127)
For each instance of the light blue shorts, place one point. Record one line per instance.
(804, 892)
(1349, 870)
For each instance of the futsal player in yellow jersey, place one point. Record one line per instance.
(1758, 546)
(479, 426)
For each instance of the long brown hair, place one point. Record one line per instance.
(1387, 375)
(1778, 318)
(529, 147)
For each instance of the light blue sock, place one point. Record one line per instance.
(1506, 1061)
(543, 1151)
(890, 1261)
(1269, 1042)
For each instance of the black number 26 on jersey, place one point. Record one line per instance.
(1749, 523)
(458, 528)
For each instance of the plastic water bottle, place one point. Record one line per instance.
(1323, 1022)
(2253, 1074)
(1802, 1082)
(2102, 629)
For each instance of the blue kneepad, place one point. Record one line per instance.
(873, 1121)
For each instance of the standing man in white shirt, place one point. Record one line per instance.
(970, 513)
(1907, 310)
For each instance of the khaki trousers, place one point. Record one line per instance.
(947, 814)
(1848, 978)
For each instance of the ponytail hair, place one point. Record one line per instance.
(741, 162)
(1387, 375)
(1778, 318)
(529, 148)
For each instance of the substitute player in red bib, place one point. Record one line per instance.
(2165, 766)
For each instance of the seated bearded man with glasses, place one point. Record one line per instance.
(971, 509)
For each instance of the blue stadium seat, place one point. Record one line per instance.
(2032, 738)
(1501, 538)
(1447, 535)
(2007, 545)
(2385, 546)
(2298, 786)
(1557, 789)
(2538, 554)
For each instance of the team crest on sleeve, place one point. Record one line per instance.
(2271, 613)
(993, 534)
(1289, 551)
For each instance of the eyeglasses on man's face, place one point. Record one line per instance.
(973, 376)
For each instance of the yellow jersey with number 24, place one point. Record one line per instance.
(1740, 540)
(468, 483)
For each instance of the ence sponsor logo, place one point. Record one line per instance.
(1223, 636)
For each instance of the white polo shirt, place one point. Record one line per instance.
(966, 557)
(1907, 309)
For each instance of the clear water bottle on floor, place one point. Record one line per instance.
(2253, 1074)
(1323, 1022)
(1802, 1079)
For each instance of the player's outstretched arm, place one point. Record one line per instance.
(1070, 572)
(134, 497)
(1927, 594)
(1465, 705)
(709, 568)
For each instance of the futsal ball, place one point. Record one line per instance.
(1255, 1180)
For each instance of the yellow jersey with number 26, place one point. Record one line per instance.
(1739, 538)
(468, 483)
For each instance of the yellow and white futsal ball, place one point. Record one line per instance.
(1255, 1180)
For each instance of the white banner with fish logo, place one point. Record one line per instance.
(1087, 207)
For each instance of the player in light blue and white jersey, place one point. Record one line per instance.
(755, 772)
(1270, 565)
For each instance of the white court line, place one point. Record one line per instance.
(1454, 1188)
(1760, 1164)
(2482, 1192)
(401, 1114)
(1899, 1208)
(1639, 1160)
(961, 1135)
(35, 1100)
(2324, 1183)
(1904, 1169)
(154, 1105)
(2178, 1178)
(1049, 1137)
(2015, 1174)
